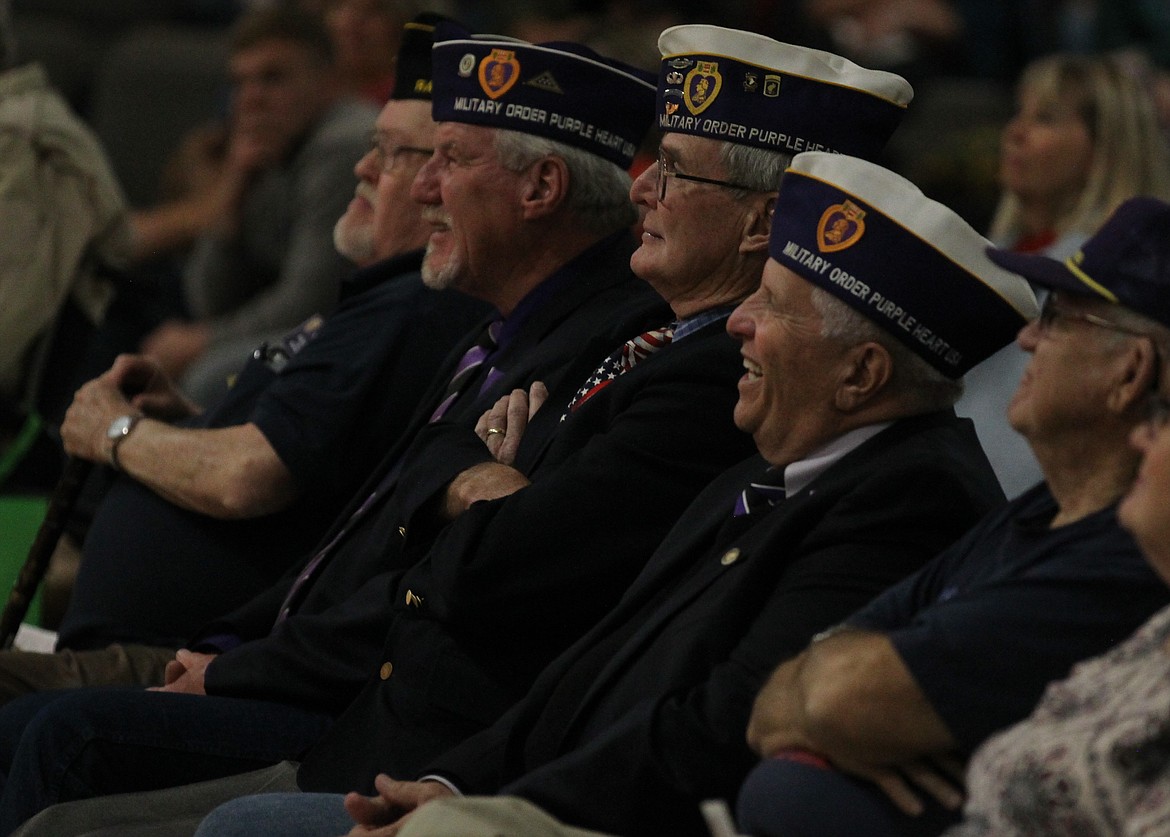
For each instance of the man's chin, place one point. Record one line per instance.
(436, 275)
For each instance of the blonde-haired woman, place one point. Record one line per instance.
(1084, 138)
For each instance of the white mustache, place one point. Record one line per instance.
(436, 216)
(366, 191)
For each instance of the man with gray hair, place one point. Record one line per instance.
(866, 729)
(208, 509)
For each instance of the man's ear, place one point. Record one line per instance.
(545, 187)
(757, 226)
(1136, 378)
(867, 369)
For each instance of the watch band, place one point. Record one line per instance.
(117, 440)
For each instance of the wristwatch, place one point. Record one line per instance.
(117, 432)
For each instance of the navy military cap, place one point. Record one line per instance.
(907, 263)
(561, 91)
(745, 88)
(412, 73)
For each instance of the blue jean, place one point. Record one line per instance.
(279, 815)
(92, 742)
(787, 798)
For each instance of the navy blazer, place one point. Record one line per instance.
(513, 582)
(646, 715)
(317, 658)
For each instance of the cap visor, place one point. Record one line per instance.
(1042, 271)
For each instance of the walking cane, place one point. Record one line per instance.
(61, 503)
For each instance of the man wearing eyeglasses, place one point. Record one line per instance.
(530, 211)
(895, 699)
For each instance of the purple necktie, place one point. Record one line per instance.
(472, 359)
(760, 496)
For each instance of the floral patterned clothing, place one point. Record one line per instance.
(1093, 758)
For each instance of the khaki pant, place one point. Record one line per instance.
(22, 672)
(171, 812)
(487, 816)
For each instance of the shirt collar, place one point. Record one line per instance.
(798, 475)
(692, 324)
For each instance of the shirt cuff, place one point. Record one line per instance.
(442, 780)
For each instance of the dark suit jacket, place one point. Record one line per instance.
(318, 658)
(513, 582)
(646, 715)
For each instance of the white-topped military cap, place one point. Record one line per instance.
(742, 87)
(913, 266)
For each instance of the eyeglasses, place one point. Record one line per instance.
(1157, 411)
(388, 155)
(1051, 314)
(1157, 414)
(663, 173)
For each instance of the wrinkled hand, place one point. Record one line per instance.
(174, 345)
(503, 425)
(486, 481)
(94, 406)
(775, 721)
(940, 778)
(383, 815)
(185, 674)
(134, 384)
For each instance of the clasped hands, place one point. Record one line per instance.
(186, 673)
(133, 384)
(385, 813)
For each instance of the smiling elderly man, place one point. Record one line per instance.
(917, 679)
(863, 472)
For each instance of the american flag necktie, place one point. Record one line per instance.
(631, 353)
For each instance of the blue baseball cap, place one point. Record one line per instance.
(1127, 262)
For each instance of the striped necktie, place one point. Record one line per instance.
(472, 359)
(760, 496)
(629, 355)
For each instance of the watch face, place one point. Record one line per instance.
(119, 426)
